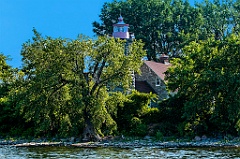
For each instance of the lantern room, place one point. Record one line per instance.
(120, 30)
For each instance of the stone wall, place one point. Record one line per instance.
(150, 76)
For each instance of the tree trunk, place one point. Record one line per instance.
(89, 132)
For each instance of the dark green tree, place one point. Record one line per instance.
(11, 122)
(218, 18)
(163, 26)
(131, 116)
(5, 70)
(236, 16)
(208, 76)
(68, 82)
(4, 90)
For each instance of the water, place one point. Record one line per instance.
(10, 152)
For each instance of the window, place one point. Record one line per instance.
(120, 29)
(115, 29)
(158, 82)
(125, 29)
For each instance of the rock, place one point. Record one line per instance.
(85, 140)
(64, 140)
(197, 138)
(147, 137)
(77, 139)
(53, 139)
(108, 138)
(204, 138)
(72, 139)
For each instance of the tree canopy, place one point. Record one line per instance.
(83, 86)
(208, 75)
(167, 26)
(68, 82)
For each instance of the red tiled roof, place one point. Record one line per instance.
(158, 68)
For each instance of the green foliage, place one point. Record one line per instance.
(167, 26)
(5, 70)
(11, 122)
(159, 136)
(68, 83)
(68, 87)
(137, 127)
(167, 116)
(131, 116)
(208, 77)
(152, 116)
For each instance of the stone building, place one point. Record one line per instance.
(152, 77)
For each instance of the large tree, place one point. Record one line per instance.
(218, 18)
(162, 25)
(68, 82)
(208, 76)
(5, 70)
(235, 11)
(5, 76)
(167, 26)
(10, 121)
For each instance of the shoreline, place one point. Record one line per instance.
(127, 144)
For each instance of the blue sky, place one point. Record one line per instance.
(55, 18)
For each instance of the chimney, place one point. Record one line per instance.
(164, 59)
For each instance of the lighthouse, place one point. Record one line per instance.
(120, 30)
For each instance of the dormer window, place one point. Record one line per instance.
(158, 82)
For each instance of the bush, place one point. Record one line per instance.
(139, 130)
(159, 136)
(131, 116)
